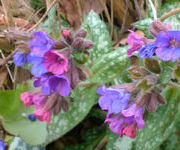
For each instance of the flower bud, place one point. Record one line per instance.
(57, 106)
(67, 36)
(176, 72)
(77, 43)
(137, 72)
(64, 105)
(152, 65)
(161, 99)
(142, 99)
(51, 101)
(81, 33)
(152, 104)
(88, 44)
(158, 26)
(74, 77)
(59, 44)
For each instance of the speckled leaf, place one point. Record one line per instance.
(172, 143)
(18, 144)
(117, 143)
(33, 133)
(97, 33)
(166, 71)
(161, 124)
(84, 99)
(110, 65)
(144, 26)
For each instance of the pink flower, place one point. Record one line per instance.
(130, 131)
(135, 41)
(26, 98)
(43, 115)
(55, 62)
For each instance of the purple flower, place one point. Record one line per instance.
(113, 99)
(168, 45)
(2, 145)
(125, 123)
(136, 113)
(19, 58)
(38, 68)
(56, 83)
(135, 41)
(43, 82)
(60, 84)
(147, 51)
(40, 44)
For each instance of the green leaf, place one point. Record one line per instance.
(110, 65)
(117, 143)
(32, 133)
(84, 99)
(172, 143)
(166, 71)
(18, 144)
(144, 26)
(98, 34)
(91, 138)
(161, 124)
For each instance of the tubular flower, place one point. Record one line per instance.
(125, 123)
(135, 41)
(168, 45)
(40, 44)
(19, 58)
(114, 100)
(55, 62)
(147, 51)
(38, 69)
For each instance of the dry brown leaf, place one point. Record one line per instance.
(3, 75)
(74, 10)
(89, 5)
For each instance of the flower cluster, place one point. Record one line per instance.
(123, 117)
(49, 69)
(54, 72)
(166, 46)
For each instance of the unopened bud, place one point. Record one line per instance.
(67, 36)
(59, 44)
(81, 33)
(64, 105)
(77, 43)
(137, 72)
(151, 106)
(147, 83)
(152, 65)
(142, 99)
(57, 106)
(75, 77)
(161, 99)
(88, 44)
(129, 87)
(158, 26)
(176, 72)
(50, 102)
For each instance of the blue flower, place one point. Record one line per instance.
(38, 68)
(40, 44)
(115, 100)
(168, 45)
(147, 51)
(2, 145)
(19, 58)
